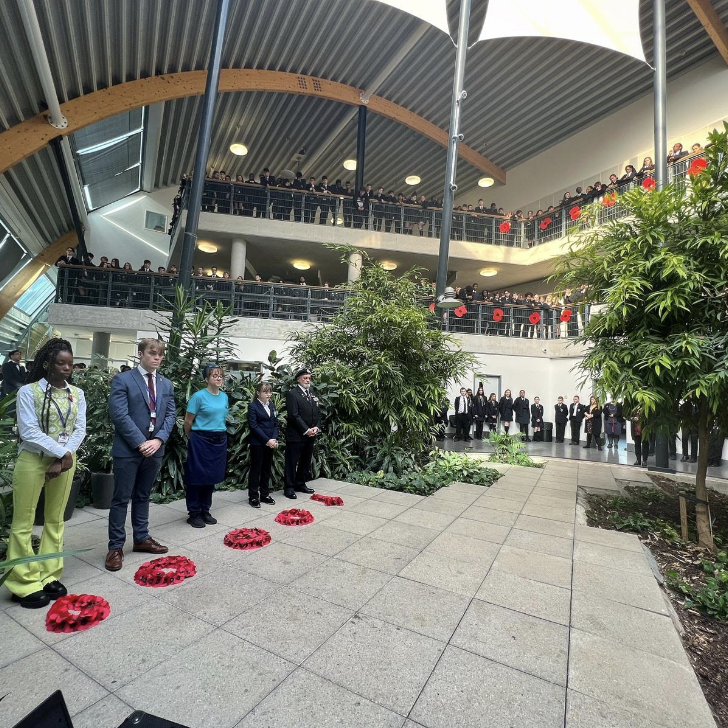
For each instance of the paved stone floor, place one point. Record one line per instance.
(474, 607)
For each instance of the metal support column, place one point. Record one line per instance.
(57, 146)
(203, 145)
(361, 138)
(458, 96)
(660, 92)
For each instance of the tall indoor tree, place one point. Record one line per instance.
(661, 273)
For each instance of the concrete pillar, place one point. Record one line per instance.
(354, 267)
(237, 258)
(100, 349)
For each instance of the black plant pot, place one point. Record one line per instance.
(102, 490)
(70, 505)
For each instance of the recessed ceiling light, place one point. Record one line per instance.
(488, 272)
(486, 182)
(301, 265)
(206, 247)
(413, 179)
(388, 265)
(240, 149)
(350, 164)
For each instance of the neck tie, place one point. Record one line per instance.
(152, 397)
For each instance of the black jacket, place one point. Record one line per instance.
(491, 411)
(561, 414)
(479, 402)
(303, 413)
(576, 412)
(537, 415)
(505, 407)
(522, 409)
(468, 406)
(13, 377)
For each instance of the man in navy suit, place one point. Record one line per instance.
(302, 428)
(141, 406)
(263, 441)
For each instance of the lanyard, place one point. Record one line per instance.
(58, 409)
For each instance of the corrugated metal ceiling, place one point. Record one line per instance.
(524, 95)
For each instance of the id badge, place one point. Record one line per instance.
(153, 414)
(63, 438)
(151, 427)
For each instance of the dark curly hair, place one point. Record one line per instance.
(48, 353)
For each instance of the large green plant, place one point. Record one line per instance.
(8, 455)
(94, 454)
(662, 274)
(390, 361)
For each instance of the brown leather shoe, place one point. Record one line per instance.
(150, 546)
(114, 559)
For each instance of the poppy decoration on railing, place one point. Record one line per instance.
(545, 223)
(697, 166)
(246, 539)
(575, 212)
(460, 311)
(610, 199)
(294, 517)
(498, 315)
(76, 612)
(504, 227)
(535, 317)
(566, 315)
(165, 571)
(432, 306)
(327, 500)
(649, 183)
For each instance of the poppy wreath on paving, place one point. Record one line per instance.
(504, 227)
(294, 517)
(76, 612)
(246, 539)
(566, 315)
(649, 183)
(575, 212)
(165, 571)
(327, 500)
(498, 315)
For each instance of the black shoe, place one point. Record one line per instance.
(208, 519)
(644, 463)
(672, 457)
(305, 489)
(599, 447)
(196, 522)
(55, 590)
(693, 460)
(610, 446)
(289, 494)
(528, 439)
(455, 439)
(268, 500)
(36, 600)
(254, 502)
(638, 463)
(586, 447)
(684, 459)
(468, 439)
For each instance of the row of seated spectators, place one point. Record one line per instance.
(368, 208)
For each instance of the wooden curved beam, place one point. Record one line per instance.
(28, 137)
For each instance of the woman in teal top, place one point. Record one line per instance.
(52, 426)
(205, 426)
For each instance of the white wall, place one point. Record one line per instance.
(696, 102)
(118, 231)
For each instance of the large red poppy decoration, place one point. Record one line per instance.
(504, 227)
(566, 315)
(76, 612)
(610, 199)
(535, 317)
(165, 571)
(460, 311)
(498, 315)
(327, 500)
(246, 539)
(294, 517)
(432, 306)
(575, 212)
(545, 223)
(649, 183)
(697, 166)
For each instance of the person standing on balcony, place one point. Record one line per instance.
(52, 426)
(206, 430)
(361, 209)
(328, 204)
(522, 410)
(309, 209)
(142, 410)
(303, 426)
(378, 203)
(299, 185)
(13, 373)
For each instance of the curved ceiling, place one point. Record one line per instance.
(524, 95)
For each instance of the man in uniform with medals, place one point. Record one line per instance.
(303, 426)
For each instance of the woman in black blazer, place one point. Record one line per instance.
(491, 413)
(263, 440)
(505, 409)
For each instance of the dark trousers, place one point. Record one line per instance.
(298, 464)
(462, 425)
(560, 430)
(479, 429)
(692, 438)
(198, 498)
(575, 430)
(261, 461)
(523, 428)
(133, 480)
(641, 450)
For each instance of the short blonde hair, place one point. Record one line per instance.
(144, 344)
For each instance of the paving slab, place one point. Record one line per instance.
(109, 711)
(543, 543)
(380, 661)
(355, 522)
(534, 565)
(359, 491)
(440, 505)
(445, 572)
(394, 496)
(320, 538)
(377, 554)
(469, 550)
(479, 529)
(614, 539)
(18, 642)
(545, 526)
(380, 509)
(470, 691)
(585, 712)
(490, 515)
(426, 519)
(405, 534)
(458, 496)
(592, 553)
(500, 504)
(555, 513)
(278, 562)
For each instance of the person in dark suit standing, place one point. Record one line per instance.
(327, 201)
(491, 413)
(561, 417)
(303, 426)
(537, 419)
(13, 373)
(505, 410)
(142, 409)
(479, 402)
(522, 410)
(463, 416)
(576, 416)
(263, 441)
(299, 184)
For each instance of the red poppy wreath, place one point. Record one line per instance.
(504, 227)
(498, 315)
(575, 212)
(76, 612)
(649, 183)
(535, 317)
(165, 571)
(294, 517)
(246, 539)
(327, 500)
(697, 166)
(566, 315)
(545, 223)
